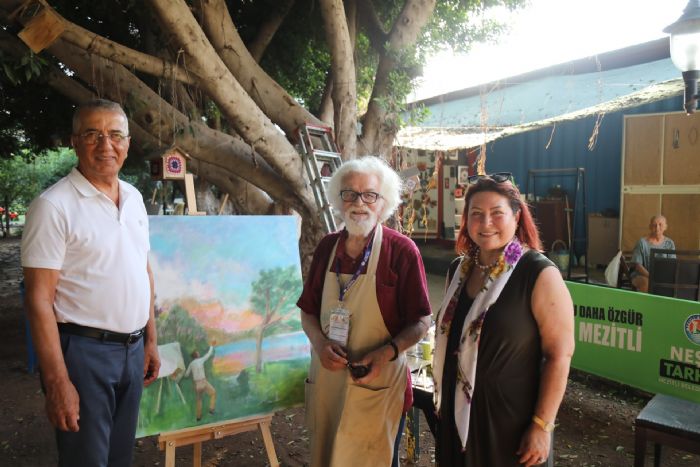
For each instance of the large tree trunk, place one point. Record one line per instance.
(253, 157)
(155, 123)
(378, 125)
(343, 67)
(266, 159)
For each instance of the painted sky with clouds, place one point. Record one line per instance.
(218, 257)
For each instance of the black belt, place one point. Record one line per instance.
(101, 334)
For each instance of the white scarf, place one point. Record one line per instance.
(469, 341)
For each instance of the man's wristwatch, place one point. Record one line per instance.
(396, 350)
(548, 427)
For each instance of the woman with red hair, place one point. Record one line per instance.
(504, 336)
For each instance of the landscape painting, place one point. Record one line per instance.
(229, 332)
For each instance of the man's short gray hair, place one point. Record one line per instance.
(390, 184)
(96, 104)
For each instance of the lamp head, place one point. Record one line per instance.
(685, 50)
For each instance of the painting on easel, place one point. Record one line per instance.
(229, 332)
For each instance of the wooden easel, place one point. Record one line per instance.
(196, 435)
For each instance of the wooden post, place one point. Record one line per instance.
(223, 203)
(191, 198)
(196, 435)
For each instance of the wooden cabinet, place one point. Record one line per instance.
(603, 233)
(661, 175)
(550, 215)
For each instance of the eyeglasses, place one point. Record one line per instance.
(498, 177)
(94, 137)
(368, 197)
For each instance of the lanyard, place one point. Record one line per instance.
(356, 274)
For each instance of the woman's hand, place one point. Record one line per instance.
(534, 446)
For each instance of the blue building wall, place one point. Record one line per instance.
(569, 149)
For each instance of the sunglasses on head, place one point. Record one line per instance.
(498, 177)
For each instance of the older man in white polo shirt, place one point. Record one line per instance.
(90, 295)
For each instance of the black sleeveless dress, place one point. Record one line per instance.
(507, 375)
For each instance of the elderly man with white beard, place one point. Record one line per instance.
(365, 301)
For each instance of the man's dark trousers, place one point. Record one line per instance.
(109, 379)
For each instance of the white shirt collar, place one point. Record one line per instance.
(86, 188)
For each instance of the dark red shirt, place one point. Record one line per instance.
(402, 289)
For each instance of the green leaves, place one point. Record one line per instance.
(23, 176)
(21, 70)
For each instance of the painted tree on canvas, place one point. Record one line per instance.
(274, 298)
(178, 326)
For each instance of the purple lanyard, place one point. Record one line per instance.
(356, 274)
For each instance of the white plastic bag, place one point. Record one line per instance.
(613, 270)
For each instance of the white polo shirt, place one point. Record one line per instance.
(100, 250)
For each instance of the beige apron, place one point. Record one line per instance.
(352, 424)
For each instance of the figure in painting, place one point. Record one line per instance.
(201, 385)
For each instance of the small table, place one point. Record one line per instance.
(670, 421)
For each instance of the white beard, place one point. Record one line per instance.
(359, 227)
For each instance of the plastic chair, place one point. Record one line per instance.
(624, 279)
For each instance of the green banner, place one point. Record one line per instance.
(645, 341)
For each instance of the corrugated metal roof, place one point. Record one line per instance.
(504, 104)
(450, 138)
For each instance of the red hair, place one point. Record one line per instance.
(526, 232)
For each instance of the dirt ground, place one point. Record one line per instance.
(595, 420)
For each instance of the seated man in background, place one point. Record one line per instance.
(641, 255)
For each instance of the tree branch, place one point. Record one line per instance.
(268, 29)
(124, 55)
(246, 198)
(272, 98)
(116, 52)
(414, 16)
(325, 109)
(240, 110)
(170, 125)
(371, 24)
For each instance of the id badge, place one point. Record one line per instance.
(339, 328)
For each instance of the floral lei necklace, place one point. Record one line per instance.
(508, 257)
